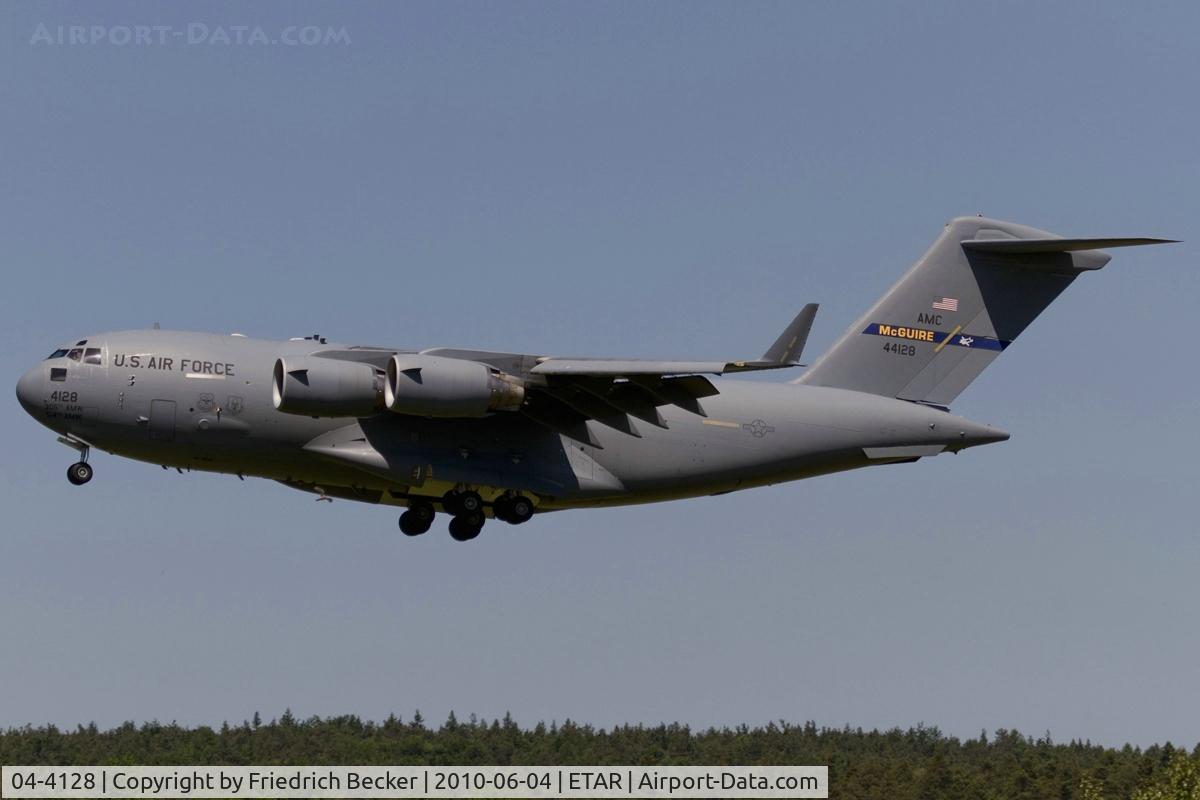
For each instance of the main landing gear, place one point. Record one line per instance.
(467, 508)
(465, 527)
(513, 509)
(462, 502)
(417, 519)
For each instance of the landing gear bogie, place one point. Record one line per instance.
(468, 513)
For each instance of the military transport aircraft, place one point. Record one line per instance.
(477, 434)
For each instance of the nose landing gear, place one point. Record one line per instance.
(79, 473)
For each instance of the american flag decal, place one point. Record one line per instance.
(945, 303)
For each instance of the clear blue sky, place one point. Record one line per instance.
(637, 179)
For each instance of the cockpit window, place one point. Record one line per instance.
(81, 343)
(92, 356)
(75, 354)
(57, 354)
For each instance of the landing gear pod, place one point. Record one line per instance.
(326, 387)
(434, 386)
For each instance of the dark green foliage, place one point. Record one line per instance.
(917, 764)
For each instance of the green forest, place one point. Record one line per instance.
(920, 763)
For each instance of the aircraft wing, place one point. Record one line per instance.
(564, 393)
(552, 365)
(783, 353)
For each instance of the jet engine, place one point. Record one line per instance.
(435, 386)
(326, 387)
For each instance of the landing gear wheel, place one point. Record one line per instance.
(457, 503)
(470, 503)
(520, 509)
(513, 508)
(466, 527)
(79, 473)
(417, 519)
(502, 508)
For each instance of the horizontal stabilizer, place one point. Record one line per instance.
(1016, 246)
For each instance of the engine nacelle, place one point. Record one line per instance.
(326, 387)
(433, 386)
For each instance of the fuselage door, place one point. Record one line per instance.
(162, 420)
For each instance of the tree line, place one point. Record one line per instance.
(920, 763)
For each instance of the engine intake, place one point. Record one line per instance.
(326, 387)
(434, 386)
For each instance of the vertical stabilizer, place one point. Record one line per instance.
(961, 305)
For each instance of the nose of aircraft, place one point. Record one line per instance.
(29, 388)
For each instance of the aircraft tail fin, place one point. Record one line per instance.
(962, 304)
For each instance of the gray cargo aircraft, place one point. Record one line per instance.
(477, 433)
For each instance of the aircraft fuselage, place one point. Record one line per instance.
(197, 401)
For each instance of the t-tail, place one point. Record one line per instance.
(961, 305)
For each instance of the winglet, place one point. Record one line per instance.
(790, 344)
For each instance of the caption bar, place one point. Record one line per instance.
(401, 781)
